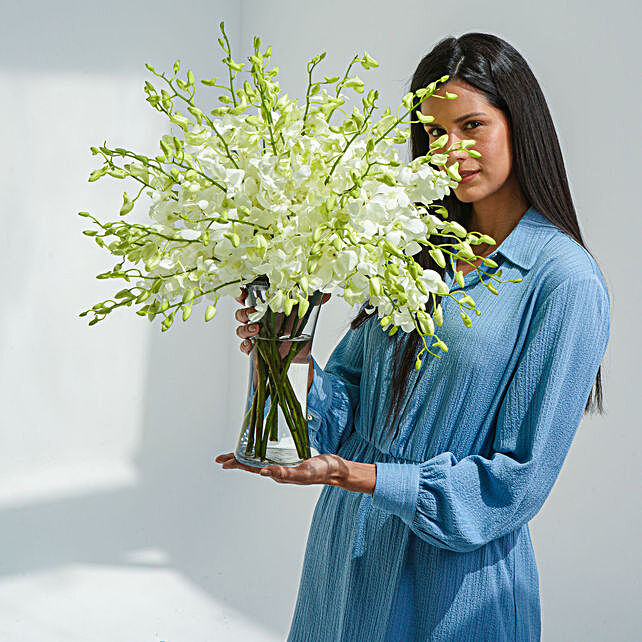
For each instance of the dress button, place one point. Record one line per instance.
(310, 417)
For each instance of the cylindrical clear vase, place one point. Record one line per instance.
(274, 429)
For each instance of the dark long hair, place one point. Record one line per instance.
(496, 69)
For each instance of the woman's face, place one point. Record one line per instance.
(471, 116)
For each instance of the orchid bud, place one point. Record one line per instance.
(210, 312)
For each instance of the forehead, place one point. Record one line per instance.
(468, 100)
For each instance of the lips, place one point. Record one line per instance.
(468, 172)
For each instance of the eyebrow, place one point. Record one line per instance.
(458, 120)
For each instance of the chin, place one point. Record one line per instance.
(466, 198)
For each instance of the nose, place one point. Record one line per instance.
(459, 153)
(456, 155)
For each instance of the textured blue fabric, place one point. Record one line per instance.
(442, 551)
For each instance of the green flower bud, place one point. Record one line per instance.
(426, 323)
(438, 315)
(492, 288)
(235, 65)
(459, 277)
(375, 286)
(423, 118)
(287, 306)
(127, 205)
(418, 364)
(387, 180)
(453, 172)
(440, 344)
(439, 142)
(187, 310)
(367, 62)
(438, 256)
(355, 83)
(415, 269)
(96, 174)
(143, 296)
(407, 100)
(188, 295)
(210, 312)
(304, 304)
(466, 318)
(393, 330)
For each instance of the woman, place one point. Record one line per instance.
(431, 476)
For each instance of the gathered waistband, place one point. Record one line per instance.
(358, 448)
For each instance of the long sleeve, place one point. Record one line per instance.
(461, 505)
(333, 398)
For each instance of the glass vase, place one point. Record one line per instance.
(274, 428)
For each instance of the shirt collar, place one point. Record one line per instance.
(526, 239)
(523, 244)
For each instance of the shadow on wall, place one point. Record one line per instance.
(227, 532)
(234, 535)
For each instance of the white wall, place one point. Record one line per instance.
(115, 523)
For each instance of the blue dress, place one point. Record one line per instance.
(441, 551)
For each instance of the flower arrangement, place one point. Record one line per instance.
(262, 187)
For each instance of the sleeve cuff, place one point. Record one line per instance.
(396, 489)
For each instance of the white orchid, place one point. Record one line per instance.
(263, 186)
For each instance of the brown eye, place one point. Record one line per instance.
(470, 122)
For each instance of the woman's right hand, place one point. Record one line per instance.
(248, 330)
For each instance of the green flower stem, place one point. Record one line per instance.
(250, 437)
(228, 51)
(260, 408)
(267, 352)
(299, 422)
(296, 420)
(272, 419)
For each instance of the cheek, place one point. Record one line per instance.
(495, 151)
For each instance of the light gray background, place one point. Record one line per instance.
(115, 523)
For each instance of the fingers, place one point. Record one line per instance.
(241, 298)
(229, 461)
(277, 473)
(247, 330)
(243, 314)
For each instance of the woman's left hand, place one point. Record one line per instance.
(323, 469)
